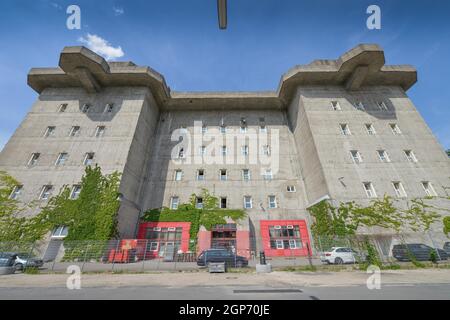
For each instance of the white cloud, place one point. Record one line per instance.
(102, 47)
(56, 5)
(118, 11)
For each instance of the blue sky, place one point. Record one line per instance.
(181, 40)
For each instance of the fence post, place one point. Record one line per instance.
(144, 256)
(114, 256)
(85, 257)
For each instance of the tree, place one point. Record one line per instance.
(448, 152)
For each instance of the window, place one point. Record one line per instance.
(246, 174)
(285, 237)
(335, 106)
(399, 190)
(46, 192)
(154, 246)
(223, 203)
(382, 106)
(161, 239)
(223, 129)
(109, 108)
(89, 159)
(428, 188)
(202, 150)
(181, 154)
(74, 131)
(49, 132)
(272, 202)
(34, 159)
(223, 175)
(244, 150)
(291, 189)
(201, 175)
(100, 131)
(370, 129)
(178, 175)
(16, 192)
(62, 157)
(204, 129)
(356, 156)
(243, 129)
(345, 130)
(370, 190)
(75, 192)
(174, 203)
(262, 128)
(383, 155)
(199, 203)
(248, 202)
(410, 156)
(266, 150)
(85, 108)
(359, 105)
(224, 150)
(62, 107)
(268, 174)
(60, 232)
(395, 129)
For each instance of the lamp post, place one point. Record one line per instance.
(222, 11)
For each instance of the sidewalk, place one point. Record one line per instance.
(187, 279)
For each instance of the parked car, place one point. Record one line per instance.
(221, 255)
(24, 260)
(447, 248)
(420, 251)
(7, 263)
(341, 255)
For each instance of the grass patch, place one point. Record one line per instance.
(31, 270)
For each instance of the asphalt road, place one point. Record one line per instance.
(389, 292)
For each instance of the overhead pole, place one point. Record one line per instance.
(222, 11)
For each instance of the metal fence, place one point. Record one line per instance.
(167, 255)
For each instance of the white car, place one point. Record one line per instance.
(340, 255)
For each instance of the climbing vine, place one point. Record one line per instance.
(208, 216)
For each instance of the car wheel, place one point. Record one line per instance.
(338, 261)
(19, 267)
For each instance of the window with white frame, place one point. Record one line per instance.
(268, 174)
(359, 105)
(356, 156)
(199, 203)
(246, 175)
(86, 107)
(244, 150)
(62, 107)
(223, 174)
(200, 175)
(266, 150)
(100, 131)
(223, 202)
(399, 190)
(34, 159)
(345, 129)
(46, 192)
(50, 131)
(76, 189)
(382, 106)
(109, 108)
(16, 192)
(74, 131)
(223, 129)
(370, 190)
(248, 204)
(204, 129)
(383, 155)
(153, 246)
(174, 201)
(291, 189)
(89, 159)
(181, 154)
(178, 175)
(428, 188)
(273, 202)
(285, 237)
(395, 128)
(370, 129)
(62, 157)
(224, 150)
(202, 150)
(60, 232)
(410, 156)
(335, 105)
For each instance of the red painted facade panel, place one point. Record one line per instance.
(185, 236)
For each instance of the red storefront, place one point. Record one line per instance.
(284, 238)
(162, 237)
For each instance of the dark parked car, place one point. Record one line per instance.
(447, 248)
(421, 252)
(7, 259)
(221, 255)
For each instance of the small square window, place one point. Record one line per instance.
(16, 192)
(76, 189)
(100, 131)
(272, 202)
(356, 156)
(383, 155)
(223, 203)
(410, 156)
(174, 203)
(62, 157)
(199, 203)
(60, 232)
(335, 105)
(246, 174)
(291, 189)
(359, 105)
(202, 150)
(89, 159)
(34, 159)
(428, 188)
(266, 150)
(345, 130)
(224, 150)
(201, 175)
(62, 107)
(370, 190)
(178, 175)
(244, 150)
(109, 108)
(74, 131)
(223, 175)
(49, 132)
(204, 129)
(395, 129)
(248, 202)
(399, 190)
(268, 174)
(46, 192)
(382, 106)
(370, 129)
(85, 108)
(223, 129)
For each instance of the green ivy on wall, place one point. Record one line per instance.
(209, 216)
(446, 222)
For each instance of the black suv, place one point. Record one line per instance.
(421, 252)
(221, 255)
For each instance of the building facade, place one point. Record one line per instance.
(343, 130)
